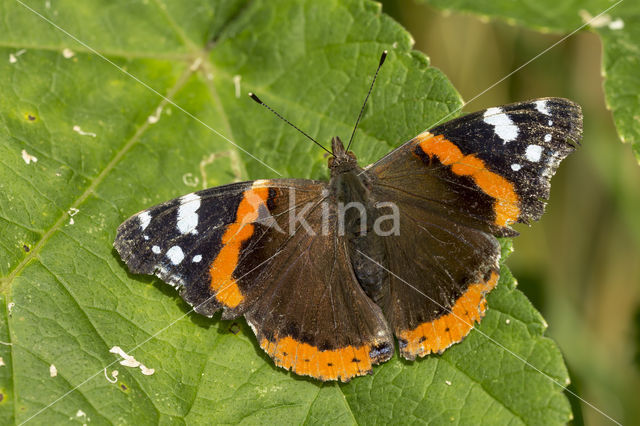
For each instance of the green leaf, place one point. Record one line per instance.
(618, 26)
(107, 147)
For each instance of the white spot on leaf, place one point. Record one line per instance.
(236, 83)
(190, 180)
(130, 361)
(81, 132)
(146, 371)
(72, 212)
(114, 375)
(13, 57)
(2, 364)
(153, 118)
(600, 21)
(53, 371)
(68, 53)
(618, 24)
(28, 158)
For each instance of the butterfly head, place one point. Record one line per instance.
(341, 159)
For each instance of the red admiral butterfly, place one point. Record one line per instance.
(326, 273)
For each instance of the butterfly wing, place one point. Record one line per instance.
(457, 187)
(267, 250)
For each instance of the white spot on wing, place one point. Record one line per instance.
(175, 255)
(145, 219)
(502, 124)
(197, 258)
(547, 137)
(533, 153)
(516, 167)
(187, 216)
(543, 107)
(155, 249)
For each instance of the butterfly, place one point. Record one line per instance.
(327, 273)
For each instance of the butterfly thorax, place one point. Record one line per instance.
(350, 186)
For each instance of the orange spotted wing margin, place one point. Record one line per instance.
(458, 186)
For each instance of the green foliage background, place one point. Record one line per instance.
(68, 299)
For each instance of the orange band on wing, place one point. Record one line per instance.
(494, 185)
(439, 334)
(304, 359)
(223, 285)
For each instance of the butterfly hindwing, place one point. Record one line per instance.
(313, 317)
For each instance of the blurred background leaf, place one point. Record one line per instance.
(617, 23)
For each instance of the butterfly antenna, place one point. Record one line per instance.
(382, 58)
(257, 99)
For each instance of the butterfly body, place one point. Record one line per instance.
(327, 273)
